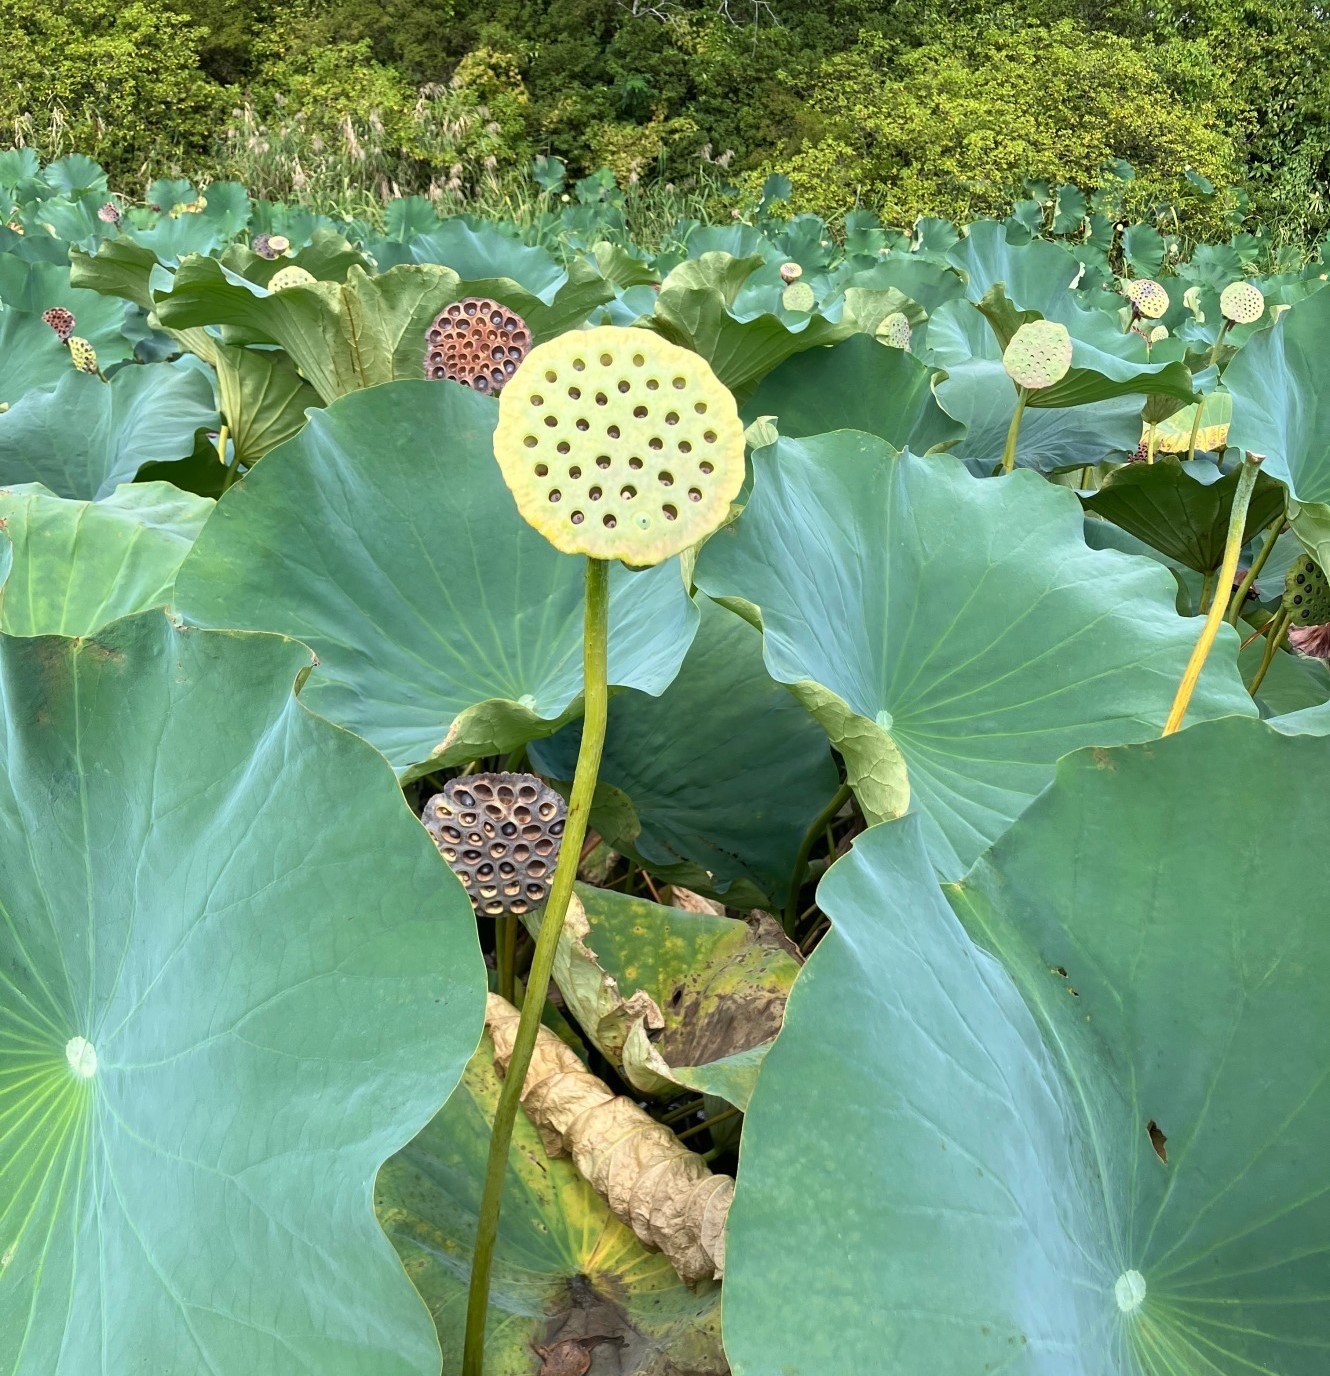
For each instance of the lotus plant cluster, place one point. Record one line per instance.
(742, 809)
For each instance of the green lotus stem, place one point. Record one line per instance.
(1272, 643)
(1253, 573)
(1215, 347)
(820, 824)
(1013, 433)
(233, 468)
(1150, 443)
(721, 1117)
(505, 956)
(1237, 524)
(595, 646)
(1195, 430)
(1208, 584)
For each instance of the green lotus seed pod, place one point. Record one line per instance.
(1159, 332)
(894, 331)
(1242, 303)
(82, 355)
(1147, 297)
(798, 296)
(1039, 355)
(619, 445)
(1306, 593)
(790, 272)
(279, 243)
(290, 277)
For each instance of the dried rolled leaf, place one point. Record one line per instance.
(650, 1180)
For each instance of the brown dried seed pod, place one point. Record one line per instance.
(500, 833)
(477, 342)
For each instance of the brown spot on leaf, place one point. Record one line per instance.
(1158, 1141)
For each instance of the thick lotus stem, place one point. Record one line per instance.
(1014, 432)
(1237, 524)
(595, 655)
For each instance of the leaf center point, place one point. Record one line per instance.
(82, 1057)
(1129, 1291)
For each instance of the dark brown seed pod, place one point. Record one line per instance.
(477, 342)
(61, 321)
(500, 834)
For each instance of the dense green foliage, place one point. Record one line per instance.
(906, 108)
(937, 783)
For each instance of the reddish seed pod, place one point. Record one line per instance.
(477, 342)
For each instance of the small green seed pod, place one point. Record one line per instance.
(1039, 355)
(1241, 303)
(894, 331)
(1147, 297)
(290, 277)
(1306, 593)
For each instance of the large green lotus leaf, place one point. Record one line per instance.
(120, 268)
(977, 392)
(1093, 1144)
(383, 536)
(718, 984)
(693, 310)
(1280, 382)
(32, 358)
(85, 437)
(1037, 275)
(221, 1014)
(78, 566)
(565, 1268)
(366, 331)
(858, 384)
(261, 397)
(1179, 513)
(953, 634)
(723, 773)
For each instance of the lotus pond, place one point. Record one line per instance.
(751, 808)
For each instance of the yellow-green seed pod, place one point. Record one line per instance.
(82, 355)
(619, 445)
(1039, 355)
(798, 296)
(290, 277)
(894, 331)
(1148, 297)
(1241, 303)
(1160, 332)
(279, 243)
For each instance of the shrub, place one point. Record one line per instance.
(951, 127)
(124, 80)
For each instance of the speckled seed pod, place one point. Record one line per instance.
(1241, 303)
(500, 834)
(82, 355)
(790, 272)
(798, 296)
(1148, 298)
(1306, 593)
(61, 321)
(477, 342)
(262, 245)
(109, 214)
(894, 331)
(620, 445)
(290, 277)
(1039, 355)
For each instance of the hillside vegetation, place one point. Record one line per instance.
(906, 108)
